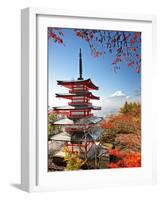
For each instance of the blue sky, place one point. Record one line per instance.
(63, 64)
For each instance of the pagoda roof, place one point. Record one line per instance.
(81, 107)
(64, 121)
(84, 121)
(62, 136)
(86, 94)
(87, 82)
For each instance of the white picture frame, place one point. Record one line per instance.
(33, 177)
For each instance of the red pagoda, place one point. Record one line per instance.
(78, 112)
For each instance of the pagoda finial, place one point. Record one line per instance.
(80, 66)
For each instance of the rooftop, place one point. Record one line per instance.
(69, 84)
(62, 136)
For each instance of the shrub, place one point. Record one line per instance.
(72, 159)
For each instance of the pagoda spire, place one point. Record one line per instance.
(80, 65)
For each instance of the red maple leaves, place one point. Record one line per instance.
(131, 64)
(56, 36)
(124, 47)
(79, 34)
(125, 159)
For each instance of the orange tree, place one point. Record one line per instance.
(123, 131)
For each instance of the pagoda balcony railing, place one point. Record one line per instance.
(79, 103)
(77, 91)
(79, 116)
(76, 129)
(82, 146)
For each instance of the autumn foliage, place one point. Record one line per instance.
(124, 159)
(56, 35)
(122, 46)
(123, 131)
(72, 158)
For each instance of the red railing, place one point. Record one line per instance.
(79, 116)
(76, 129)
(84, 147)
(77, 91)
(79, 103)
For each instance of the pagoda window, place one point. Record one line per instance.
(77, 88)
(86, 100)
(78, 99)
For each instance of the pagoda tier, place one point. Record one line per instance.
(81, 125)
(85, 122)
(79, 103)
(79, 116)
(77, 111)
(77, 108)
(85, 84)
(71, 128)
(76, 114)
(78, 95)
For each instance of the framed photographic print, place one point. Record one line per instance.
(86, 100)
